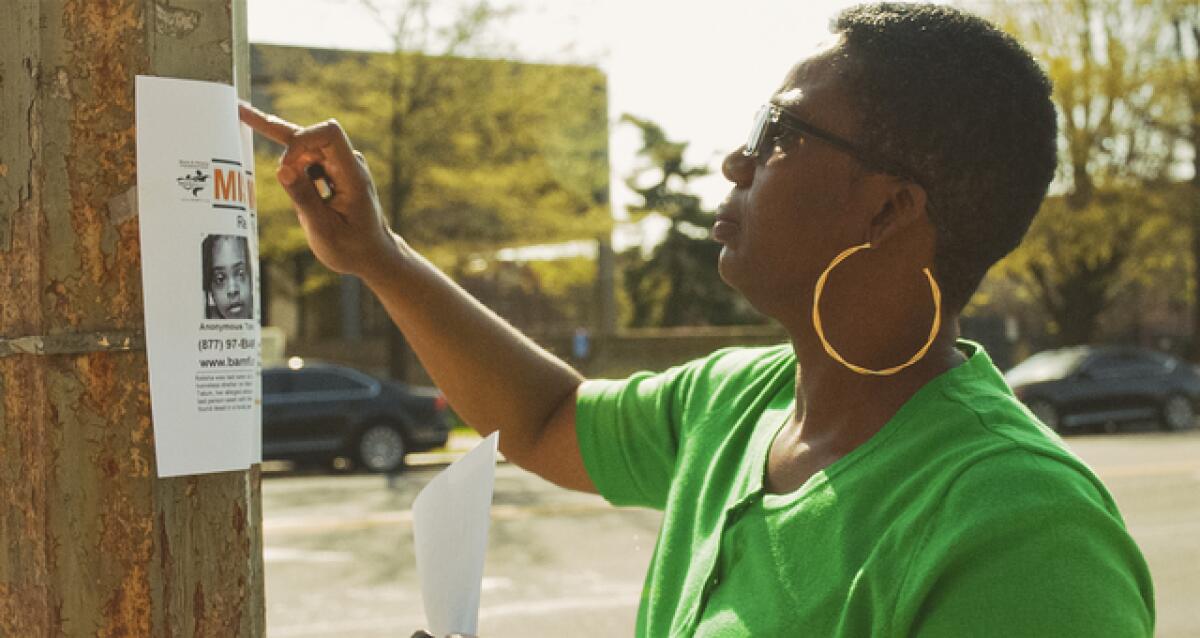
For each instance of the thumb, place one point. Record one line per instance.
(308, 201)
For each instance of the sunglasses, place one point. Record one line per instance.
(772, 120)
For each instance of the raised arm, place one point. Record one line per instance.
(495, 377)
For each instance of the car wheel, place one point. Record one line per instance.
(1046, 413)
(381, 448)
(1178, 413)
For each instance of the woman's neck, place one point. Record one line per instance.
(842, 408)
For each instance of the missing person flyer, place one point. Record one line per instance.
(200, 279)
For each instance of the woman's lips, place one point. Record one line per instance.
(726, 225)
(724, 229)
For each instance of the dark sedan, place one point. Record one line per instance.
(316, 412)
(1107, 385)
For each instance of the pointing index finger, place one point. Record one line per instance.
(274, 128)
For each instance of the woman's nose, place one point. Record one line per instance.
(738, 167)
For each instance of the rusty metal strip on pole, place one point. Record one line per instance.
(78, 343)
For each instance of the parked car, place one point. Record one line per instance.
(1103, 385)
(321, 411)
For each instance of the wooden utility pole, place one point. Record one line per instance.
(91, 542)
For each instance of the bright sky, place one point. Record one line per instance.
(699, 68)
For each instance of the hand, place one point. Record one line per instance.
(347, 230)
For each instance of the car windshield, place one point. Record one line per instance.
(1044, 366)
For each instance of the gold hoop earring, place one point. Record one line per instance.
(816, 317)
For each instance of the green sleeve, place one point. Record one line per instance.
(1026, 545)
(629, 434)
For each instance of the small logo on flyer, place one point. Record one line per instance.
(195, 180)
(193, 183)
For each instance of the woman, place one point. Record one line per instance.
(874, 476)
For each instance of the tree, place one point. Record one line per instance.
(1098, 237)
(469, 155)
(1075, 264)
(414, 89)
(678, 285)
(1182, 123)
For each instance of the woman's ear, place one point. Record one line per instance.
(903, 206)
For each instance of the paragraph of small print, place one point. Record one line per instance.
(225, 391)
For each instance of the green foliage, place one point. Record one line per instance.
(538, 296)
(1110, 233)
(678, 285)
(1076, 262)
(566, 277)
(468, 155)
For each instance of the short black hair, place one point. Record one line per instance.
(209, 245)
(968, 110)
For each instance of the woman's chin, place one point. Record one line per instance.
(727, 267)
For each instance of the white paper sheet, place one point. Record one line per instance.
(252, 208)
(450, 529)
(199, 276)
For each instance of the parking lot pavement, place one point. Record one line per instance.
(338, 549)
(339, 562)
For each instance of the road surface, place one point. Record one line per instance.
(338, 549)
